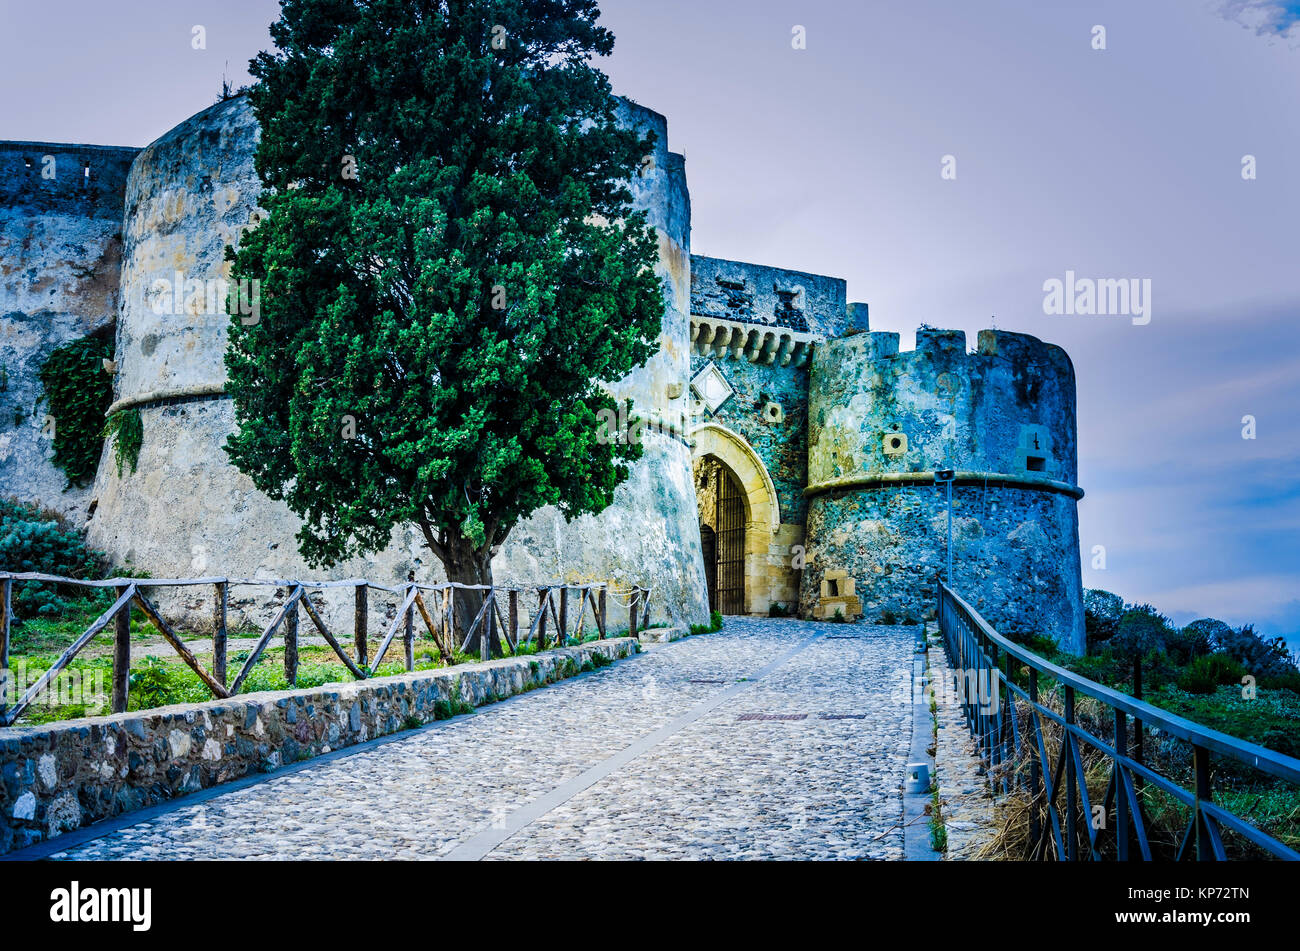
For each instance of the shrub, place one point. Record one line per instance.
(78, 392)
(38, 540)
(776, 609)
(1262, 658)
(126, 428)
(1204, 674)
(1101, 613)
(1141, 629)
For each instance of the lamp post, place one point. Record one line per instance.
(945, 477)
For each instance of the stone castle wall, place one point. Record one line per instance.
(1003, 417)
(186, 511)
(60, 254)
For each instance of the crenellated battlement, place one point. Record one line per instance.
(1006, 407)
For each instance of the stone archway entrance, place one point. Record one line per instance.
(722, 534)
(738, 520)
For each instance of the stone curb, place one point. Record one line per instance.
(60, 776)
(661, 635)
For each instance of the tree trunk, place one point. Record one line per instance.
(465, 564)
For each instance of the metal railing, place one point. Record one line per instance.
(437, 612)
(1020, 758)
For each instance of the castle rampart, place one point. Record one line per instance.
(60, 254)
(882, 422)
(186, 510)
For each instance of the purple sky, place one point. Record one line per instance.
(1117, 163)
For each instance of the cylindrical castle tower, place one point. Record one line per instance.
(881, 423)
(187, 511)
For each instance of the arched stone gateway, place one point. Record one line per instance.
(739, 510)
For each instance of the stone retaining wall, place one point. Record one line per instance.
(60, 776)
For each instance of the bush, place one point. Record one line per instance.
(1101, 613)
(1141, 629)
(126, 429)
(1262, 658)
(38, 540)
(78, 392)
(1205, 674)
(776, 609)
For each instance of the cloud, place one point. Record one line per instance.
(1265, 17)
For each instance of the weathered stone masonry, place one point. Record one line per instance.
(59, 777)
(60, 256)
(186, 510)
(882, 422)
(766, 375)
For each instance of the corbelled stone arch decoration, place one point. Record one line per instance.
(762, 510)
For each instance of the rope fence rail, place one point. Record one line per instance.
(497, 620)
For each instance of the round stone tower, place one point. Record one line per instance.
(882, 423)
(186, 511)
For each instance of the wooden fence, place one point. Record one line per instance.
(435, 605)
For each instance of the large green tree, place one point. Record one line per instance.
(449, 267)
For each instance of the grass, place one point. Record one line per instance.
(1270, 719)
(714, 625)
(938, 829)
(86, 682)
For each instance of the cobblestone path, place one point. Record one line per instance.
(772, 739)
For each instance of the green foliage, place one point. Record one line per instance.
(1204, 674)
(38, 540)
(453, 707)
(434, 331)
(126, 429)
(776, 609)
(1140, 629)
(1101, 613)
(714, 625)
(153, 684)
(78, 392)
(600, 660)
(1266, 659)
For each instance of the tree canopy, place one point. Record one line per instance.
(449, 267)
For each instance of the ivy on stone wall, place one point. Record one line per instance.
(126, 429)
(78, 391)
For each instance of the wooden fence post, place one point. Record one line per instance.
(291, 645)
(514, 618)
(631, 611)
(6, 684)
(409, 636)
(489, 626)
(121, 654)
(220, 598)
(360, 621)
(562, 635)
(448, 619)
(541, 625)
(600, 614)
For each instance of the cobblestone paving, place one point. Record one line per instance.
(804, 762)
